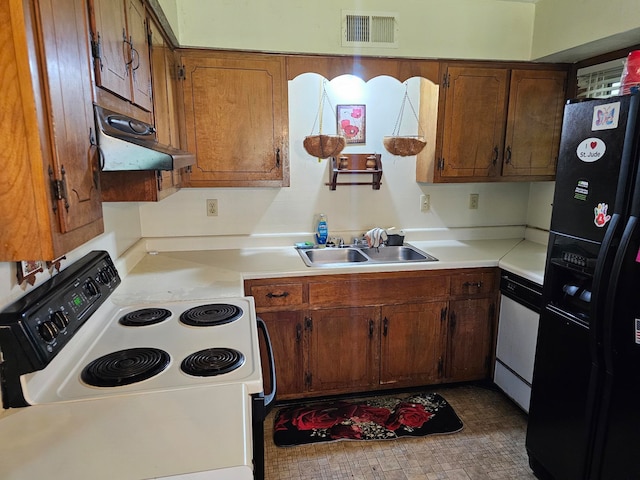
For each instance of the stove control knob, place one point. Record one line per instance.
(92, 288)
(48, 330)
(103, 277)
(60, 319)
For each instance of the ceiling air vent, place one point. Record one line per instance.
(373, 29)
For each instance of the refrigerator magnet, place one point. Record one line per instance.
(591, 150)
(605, 117)
(601, 218)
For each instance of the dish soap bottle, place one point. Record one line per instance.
(322, 230)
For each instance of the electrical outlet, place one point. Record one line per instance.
(425, 203)
(474, 198)
(212, 207)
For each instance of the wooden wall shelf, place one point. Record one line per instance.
(358, 164)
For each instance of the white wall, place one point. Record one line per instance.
(571, 30)
(490, 29)
(246, 211)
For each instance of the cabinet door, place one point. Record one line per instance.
(139, 56)
(473, 127)
(68, 80)
(413, 343)
(471, 327)
(534, 121)
(109, 31)
(49, 180)
(286, 333)
(236, 119)
(343, 349)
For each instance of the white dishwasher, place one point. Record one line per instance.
(520, 305)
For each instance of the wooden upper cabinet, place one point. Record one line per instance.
(473, 130)
(121, 50)
(50, 201)
(497, 123)
(236, 118)
(534, 122)
(153, 185)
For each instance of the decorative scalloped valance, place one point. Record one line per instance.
(365, 68)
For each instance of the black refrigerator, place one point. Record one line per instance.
(583, 419)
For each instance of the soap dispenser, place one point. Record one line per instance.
(322, 230)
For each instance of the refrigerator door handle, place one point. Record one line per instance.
(601, 288)
(613, 284)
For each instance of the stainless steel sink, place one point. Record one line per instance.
(332, 257)
(328, 256)
(403, 253)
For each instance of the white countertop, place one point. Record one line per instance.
(200, 274)
(526, 259)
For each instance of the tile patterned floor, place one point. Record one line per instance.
(490, 447)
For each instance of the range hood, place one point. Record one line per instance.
(128, 144)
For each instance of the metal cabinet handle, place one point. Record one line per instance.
(277, 158)
(508, 160)
(371, 324)
(472, 284)
(277, 295)
(495, 155)
(385, 324)
(298, 332)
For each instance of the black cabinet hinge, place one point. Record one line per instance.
(445, 80)
(308, 323)
(182, 74)
(440, 165)
(159, 179)
(443, 314)
(307, 380)
(58, 189)
(96, 50)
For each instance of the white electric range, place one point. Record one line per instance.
(153, 386)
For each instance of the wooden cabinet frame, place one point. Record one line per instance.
(337, 334)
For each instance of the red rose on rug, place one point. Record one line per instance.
(308, 419)
(409, 415)
(365, 413)
(345, 432)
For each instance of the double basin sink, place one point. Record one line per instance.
(350, 255)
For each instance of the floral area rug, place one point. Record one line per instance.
(376, 418)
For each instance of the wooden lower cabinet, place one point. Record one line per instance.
(471, 332)
(378, 335)
(413, 343)
(343, 349)
(286, 334)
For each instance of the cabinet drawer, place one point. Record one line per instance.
(482, 282)
(378, 291)
(277, 295)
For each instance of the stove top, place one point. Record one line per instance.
(68, 341)
(151, 356)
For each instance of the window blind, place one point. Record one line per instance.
(600, 81)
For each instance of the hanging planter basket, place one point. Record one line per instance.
(322, 145)
(404, 145)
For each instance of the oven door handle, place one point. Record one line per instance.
(268, 399)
